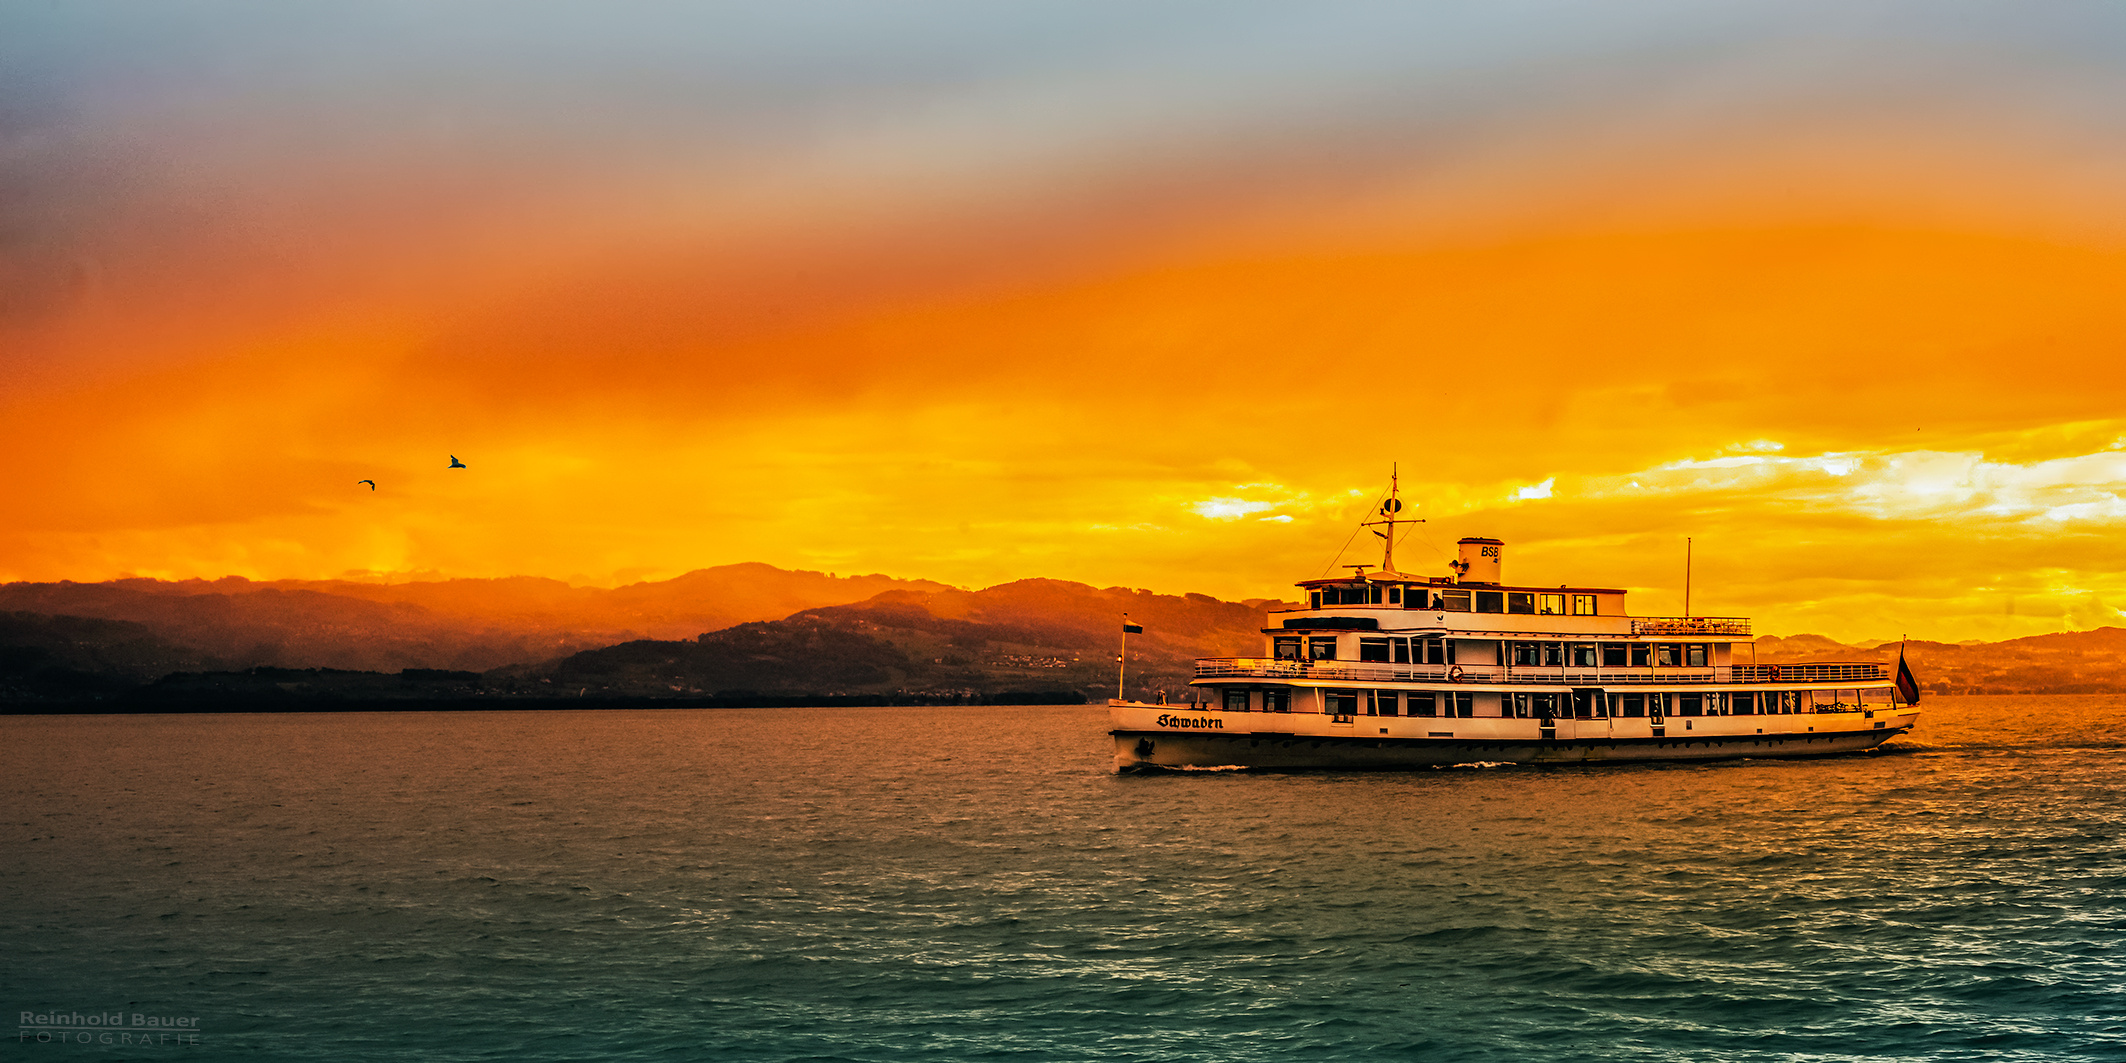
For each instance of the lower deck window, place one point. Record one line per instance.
(1236, 701)
(1631, 705)
(1340, 702)
(1424, 704)
(1384, 703)
(1276, 701)
(1462, 705)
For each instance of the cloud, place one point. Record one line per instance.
(1229, 508)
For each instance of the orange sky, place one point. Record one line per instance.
(1152, 300)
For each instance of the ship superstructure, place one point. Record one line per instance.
(1381, 668)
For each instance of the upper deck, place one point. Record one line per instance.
(1389, 626)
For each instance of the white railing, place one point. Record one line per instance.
(1809, 673)
(1369, 672)
(1690, 625)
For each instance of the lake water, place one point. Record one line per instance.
(976, 884)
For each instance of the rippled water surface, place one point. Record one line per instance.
(975, 883)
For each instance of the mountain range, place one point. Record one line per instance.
(733, 632)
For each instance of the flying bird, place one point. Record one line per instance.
(455, 463)
(371, 483)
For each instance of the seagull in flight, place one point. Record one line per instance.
(455, 463)
(371, 483)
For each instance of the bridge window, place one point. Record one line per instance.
(1454, 601)
(1583, 605)
(1520, 602)
(1490, 602)
(1373, 650)
(1236, 700)
(1317, 599)
(1395, 595)
(1550, 604)
(1322, 648)
(1613, 655)
(1287, 649)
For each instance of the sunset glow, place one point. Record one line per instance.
(1150, 296)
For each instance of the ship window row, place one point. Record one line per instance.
(1520, 654)
(1383, 650)
(1579, 704)
(1610, 654)
(1457, 601)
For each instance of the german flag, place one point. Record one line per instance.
(1907, 687)
(1132, 629)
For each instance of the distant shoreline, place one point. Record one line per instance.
(143, 706)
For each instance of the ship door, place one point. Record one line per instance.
(1590, 712)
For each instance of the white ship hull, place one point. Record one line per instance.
(1195, 736)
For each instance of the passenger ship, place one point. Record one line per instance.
(1383, 669)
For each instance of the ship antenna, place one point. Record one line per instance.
(1686, 576)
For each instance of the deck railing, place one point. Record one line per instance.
(1690, 625)
(1809, 673)
(1369, 672)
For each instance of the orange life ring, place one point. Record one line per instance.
(1454, 674)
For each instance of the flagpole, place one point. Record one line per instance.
(1122, 659)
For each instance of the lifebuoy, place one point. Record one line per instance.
(1454, 674)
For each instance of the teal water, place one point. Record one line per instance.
(975, 884)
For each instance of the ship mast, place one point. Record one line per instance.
(1388, 510)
